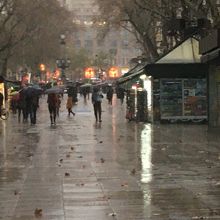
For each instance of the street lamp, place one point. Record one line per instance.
(63, 63)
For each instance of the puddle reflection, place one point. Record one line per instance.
(146, 154)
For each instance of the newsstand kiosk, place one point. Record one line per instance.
(180, 85)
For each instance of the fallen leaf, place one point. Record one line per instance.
(133, 172)
(124, 184)
(112, 214)
(213, 212)
(67, 174)
(198, 217)
(38, 212)
(217, 184)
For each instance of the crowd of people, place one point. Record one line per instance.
(26, 102)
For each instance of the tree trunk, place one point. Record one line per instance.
(3, 67)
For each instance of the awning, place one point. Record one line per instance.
(173, 70)
(133, 73)
(211, 56)
(3, 79)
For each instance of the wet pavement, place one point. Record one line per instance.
(82, 170)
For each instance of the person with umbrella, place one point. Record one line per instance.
(109, 94)
(21, 105)
(32, 103)
(53, 102)
(97, 97)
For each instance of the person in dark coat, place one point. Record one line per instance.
(109, 94)
(121, 94)
(97, 97)
(21, 105)
(32, 104)
(1, 102)
(53, 102)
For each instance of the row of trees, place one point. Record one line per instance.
(29, 32)
(159, 24)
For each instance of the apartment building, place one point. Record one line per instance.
(119, 44)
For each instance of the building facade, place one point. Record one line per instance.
(120, 45)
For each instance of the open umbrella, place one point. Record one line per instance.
(31, 91)
(86, 85)
(55, 89)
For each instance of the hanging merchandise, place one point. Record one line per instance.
(142, 107)
(131, 104)
(183, 99)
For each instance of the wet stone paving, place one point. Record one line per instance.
(120, 170)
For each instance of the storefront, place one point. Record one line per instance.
(179, 92)
(210, 51)
(138, 94)
(176, 85)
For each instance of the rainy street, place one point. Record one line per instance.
(82, 170)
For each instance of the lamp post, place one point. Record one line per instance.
(64, 62)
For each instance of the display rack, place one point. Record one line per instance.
(183, 99)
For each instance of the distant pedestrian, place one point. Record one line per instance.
(32, 104)
(84, 92)
(21, 105)
(52, 101)
(97, 97)
(1, 102)
(58, 104)
(69, 105)
(121, 94)
(109, 95)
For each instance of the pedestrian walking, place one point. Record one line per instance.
(69, 105)
(32, 104)
(52, 101)
(121, 94)
(109, 95)
(21, 105)
(84, 92)
(1, 102)
(97, 97)
(58, 104)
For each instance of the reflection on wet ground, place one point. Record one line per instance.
(82, 170)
